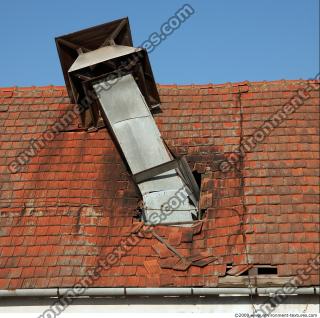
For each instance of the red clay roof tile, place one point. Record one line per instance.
(74, 203)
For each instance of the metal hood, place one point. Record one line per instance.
(101, 55)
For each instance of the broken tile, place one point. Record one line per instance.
(200, 255)
(204, 261)
(135, 228)
(162, 250)
(196, 227)
(169, 262)
(182, 265)
(238, 269)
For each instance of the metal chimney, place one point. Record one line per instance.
(101, 65)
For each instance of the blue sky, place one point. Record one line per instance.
(224, 41)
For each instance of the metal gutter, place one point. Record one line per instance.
(280, 290)
(224, 291)
(159, 291)
(94, 292)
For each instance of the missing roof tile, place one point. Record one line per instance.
(267, 270)
(250, 270)
(197, 177)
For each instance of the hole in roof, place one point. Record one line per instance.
(262, 271)
(245, 273)
(267, 271)
(197, 177)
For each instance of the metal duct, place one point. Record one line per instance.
(167, 197)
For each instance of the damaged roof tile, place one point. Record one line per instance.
(169, 262)
(162, 250)
(182, 265)
(204, 261)
(239, 269)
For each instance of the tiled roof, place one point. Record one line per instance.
(74, 203)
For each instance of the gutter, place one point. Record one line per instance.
(114, 292)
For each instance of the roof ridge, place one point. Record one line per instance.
(192, 85)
